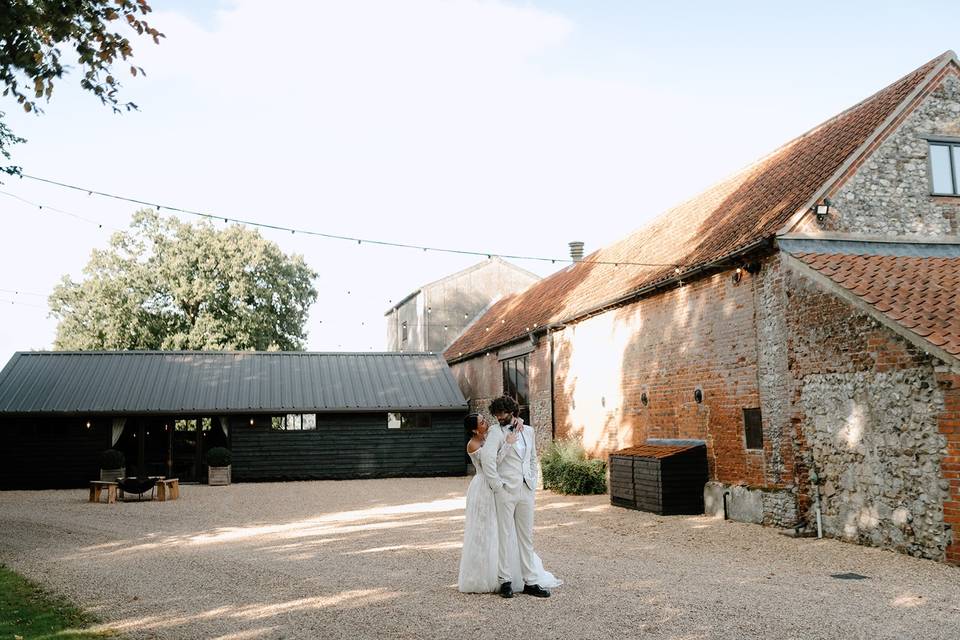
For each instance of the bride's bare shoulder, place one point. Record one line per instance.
(474, 445)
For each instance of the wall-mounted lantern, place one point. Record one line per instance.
(822, 210)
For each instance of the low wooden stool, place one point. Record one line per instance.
(97, 487)
(168, 489)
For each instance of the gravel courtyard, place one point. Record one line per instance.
(379, 558)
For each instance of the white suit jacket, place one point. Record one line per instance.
(502, 464)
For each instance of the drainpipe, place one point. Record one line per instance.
(553, 417)
(814, 479)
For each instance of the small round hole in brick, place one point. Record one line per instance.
(698, 395)
(644, 399)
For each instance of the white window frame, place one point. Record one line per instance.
(953, 151)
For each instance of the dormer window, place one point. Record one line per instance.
(945, 167)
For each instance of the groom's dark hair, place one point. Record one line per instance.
(504, 404)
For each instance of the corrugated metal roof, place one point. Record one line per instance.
(223, 382)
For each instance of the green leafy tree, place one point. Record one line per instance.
(167, 284)
(34, 35)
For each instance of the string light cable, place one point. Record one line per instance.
(331, 236)
(21, 304)
(21, 292)
(54, 209)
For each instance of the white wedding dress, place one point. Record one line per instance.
(478, 562)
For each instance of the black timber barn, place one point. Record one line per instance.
(284, 415)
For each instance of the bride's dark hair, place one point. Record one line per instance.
(471, 421)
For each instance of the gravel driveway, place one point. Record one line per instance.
(379, 558)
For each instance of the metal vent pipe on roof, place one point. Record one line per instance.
(576, 251)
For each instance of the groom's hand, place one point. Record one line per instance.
(512, 437)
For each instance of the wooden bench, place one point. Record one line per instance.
(97, 487)
(168, 489)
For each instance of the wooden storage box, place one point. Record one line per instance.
(666, 479)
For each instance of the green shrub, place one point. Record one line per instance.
(111, 459)
(219, 457)
(567, 470)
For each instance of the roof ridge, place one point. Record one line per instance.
(220, 383)
(740, 213)
(936, 60)
(947, 55)
(807, 133)
(474, 267)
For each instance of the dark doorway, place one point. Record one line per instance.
(170, 447)
(189, 442)
(185, 444)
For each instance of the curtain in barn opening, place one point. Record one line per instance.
(225, 425)
(117, 430)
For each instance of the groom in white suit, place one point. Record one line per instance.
(513, 477)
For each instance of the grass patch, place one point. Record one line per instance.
(29, 612)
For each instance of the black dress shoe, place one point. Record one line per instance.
(536, 591)
(506, 591)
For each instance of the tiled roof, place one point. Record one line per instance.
(921, 294)
(655, 450)
(733, 215)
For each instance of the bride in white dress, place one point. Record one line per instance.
(478, 563)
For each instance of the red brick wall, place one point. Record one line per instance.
(699, 335)
(949, 424)
(745, 345)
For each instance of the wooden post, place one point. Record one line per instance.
(142, 448)
(170, 427)
(198, 452)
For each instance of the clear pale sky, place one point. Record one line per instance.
(506, 127)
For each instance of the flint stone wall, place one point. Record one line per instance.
(876, 447)
(890, 193)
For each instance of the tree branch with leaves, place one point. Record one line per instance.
(34, 35)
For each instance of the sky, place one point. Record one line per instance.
(493, 126)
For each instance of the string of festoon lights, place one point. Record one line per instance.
(20, 303)
(332, 236)
(17, 301)
(677, 267)
(44, 207)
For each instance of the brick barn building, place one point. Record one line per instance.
(802, 318)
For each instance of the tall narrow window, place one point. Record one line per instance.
(753, 428)
(403, 332)
(945, 168)
(516, 384)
